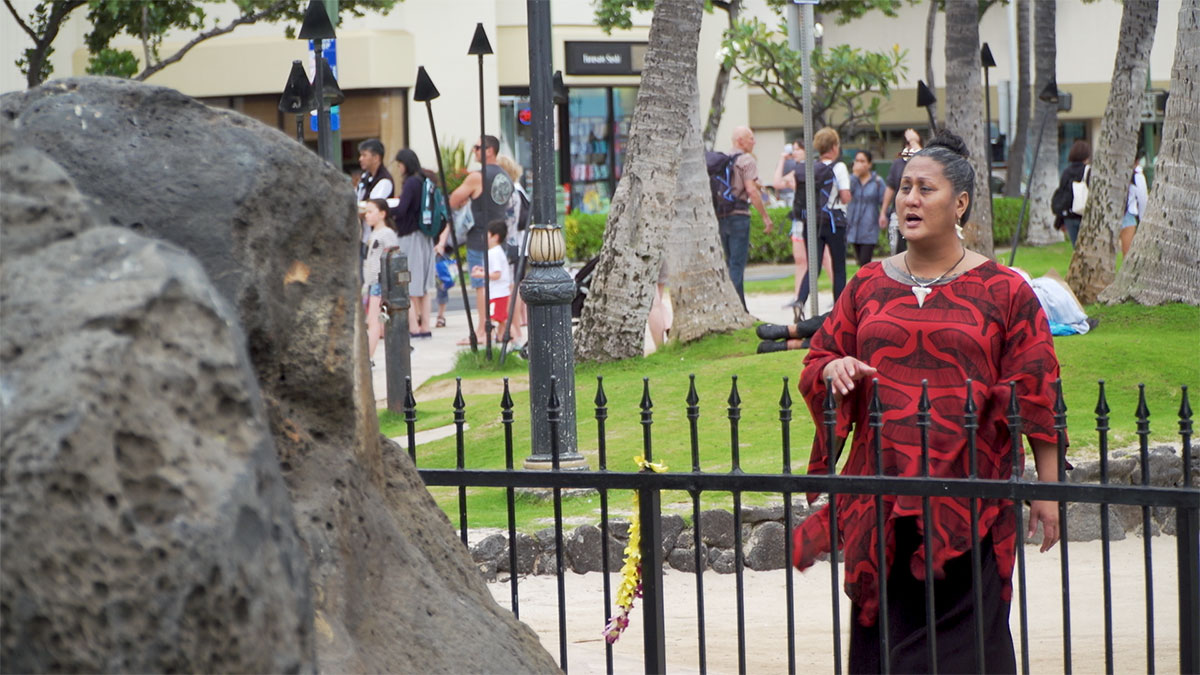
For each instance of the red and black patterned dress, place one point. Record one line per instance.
(985, 325)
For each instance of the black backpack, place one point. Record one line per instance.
(1060, 201)
(826, 192)
(720, 182)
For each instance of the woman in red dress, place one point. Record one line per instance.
(941, 314)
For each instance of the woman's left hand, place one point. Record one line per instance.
(1046, 513)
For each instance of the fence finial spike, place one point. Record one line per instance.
(506, 401)
(1060, 403)
(693, 399)
(923, 405)
(1102, 408)
(970, 408)
(735, 400)
(459, 403)
(785, 399)
(876, 405)
(1185, 407)
(601, 399)
(1014, 408)
(646, 403)
(553, 403)
(1143, 412)
(410, 401)
(830, 404)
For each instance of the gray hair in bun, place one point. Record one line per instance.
(948, 150)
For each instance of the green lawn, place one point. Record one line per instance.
(1157, 346)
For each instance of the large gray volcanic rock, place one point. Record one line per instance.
(146, 525)
(275, 229)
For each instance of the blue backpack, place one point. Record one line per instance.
(434, 213)
(720, 182)
(826, 192)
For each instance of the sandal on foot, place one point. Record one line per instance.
(441, 322)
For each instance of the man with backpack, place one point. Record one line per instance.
(831, 181)
(733, 179)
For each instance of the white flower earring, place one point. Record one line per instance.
(958, 229)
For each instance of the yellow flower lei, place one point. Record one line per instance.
(631, 571)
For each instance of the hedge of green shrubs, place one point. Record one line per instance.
(585, 232)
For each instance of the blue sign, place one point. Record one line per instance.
(330, 53)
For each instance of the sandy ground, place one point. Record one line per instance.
(766, 619)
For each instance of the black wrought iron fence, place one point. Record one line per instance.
(1184, 499)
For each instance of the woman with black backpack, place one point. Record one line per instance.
(415, 243)
(1065, 215)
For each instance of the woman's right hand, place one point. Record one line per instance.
(883, 221)
(844, 372)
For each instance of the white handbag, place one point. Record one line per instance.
(1079, 192)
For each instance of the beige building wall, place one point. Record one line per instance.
(380, 54)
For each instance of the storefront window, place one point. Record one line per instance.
(515, 134)
(598, 133)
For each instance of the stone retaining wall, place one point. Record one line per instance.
(763, 530)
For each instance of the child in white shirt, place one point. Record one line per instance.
(498, 273)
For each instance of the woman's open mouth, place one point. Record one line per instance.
(912, 220)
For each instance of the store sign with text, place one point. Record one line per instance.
(605, 58)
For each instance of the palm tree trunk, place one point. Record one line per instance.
(1093, 266)
(930, 27)
(716, 107)
(1045, 179)
(964, 115)
(702, 296)
(1164, 263)
(1016, 152)
(653, 193)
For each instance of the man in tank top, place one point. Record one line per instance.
(488, 190)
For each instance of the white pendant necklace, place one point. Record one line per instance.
(923, 289)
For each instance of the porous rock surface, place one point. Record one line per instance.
(275, 229)
(145, 523)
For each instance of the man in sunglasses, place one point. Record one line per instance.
(488, 190)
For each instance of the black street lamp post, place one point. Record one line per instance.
(318, 28)
(925, 98)
(297, 97)
(560, 99)
(425, 92)
(480, 46)
(547, 289)
(1062, 101)
(988, 62)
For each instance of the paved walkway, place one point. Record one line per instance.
(766, 607)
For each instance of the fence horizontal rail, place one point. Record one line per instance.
(865, 485)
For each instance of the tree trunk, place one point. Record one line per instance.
(1094, 264)
(716, 107)
(964, 116)
(1016, 152)
(44, 46)
(1164, 262)
(702, 296)
(1044, 180)
(653, 192)
(930, 26)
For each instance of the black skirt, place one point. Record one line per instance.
(954, 613)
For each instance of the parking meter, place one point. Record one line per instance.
(394, 279)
